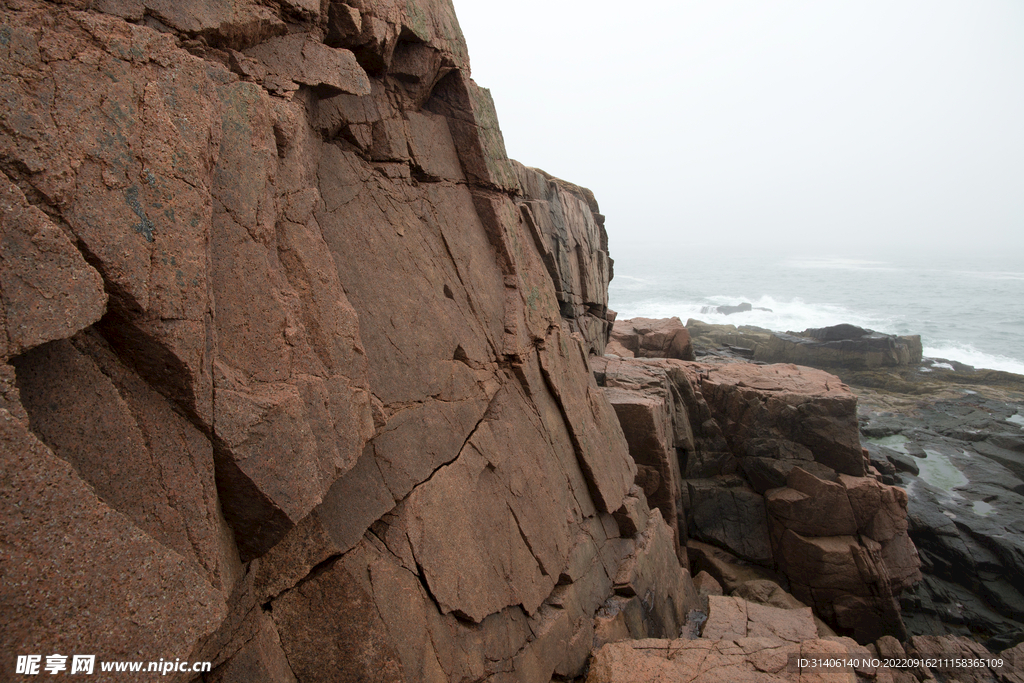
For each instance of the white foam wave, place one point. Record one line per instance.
(784, 315)
(797, 315)
(965, 353)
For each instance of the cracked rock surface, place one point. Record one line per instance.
(295, 360)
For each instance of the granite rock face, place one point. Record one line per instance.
(568, 228)
(295, 372)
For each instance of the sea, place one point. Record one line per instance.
(967, 307)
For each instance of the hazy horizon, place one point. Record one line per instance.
(840, 126)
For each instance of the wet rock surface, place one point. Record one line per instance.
(950, 436)
(764, 467)
(956, 459)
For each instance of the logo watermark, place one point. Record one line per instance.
(34, 665)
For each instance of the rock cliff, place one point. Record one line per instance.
(301, 376)
(295, 369)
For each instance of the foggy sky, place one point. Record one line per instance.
(822, 123)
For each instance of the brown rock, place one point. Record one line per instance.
(260, 660)
(727, 618)
(648, 413)
(301, 59)
(881, 510)
(66, 588)
(729, 514)
(140, 457)
(474, 125)
(330, 630)
(811, 506)
(764, 592)
(48, 290)
(601, 447)
(725, 568)
(783, 411)
(653, 573)
(650, 338)
(705, 584)
(568, 230)
(749, 659)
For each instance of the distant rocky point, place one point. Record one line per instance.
(729, 310)
(838, 346)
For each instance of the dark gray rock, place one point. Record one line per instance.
(729, 514)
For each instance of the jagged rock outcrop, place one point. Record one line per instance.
(295, 359)
(568, 229)
(651, 338)
(839, 347)
(956, 459)
(765, 464)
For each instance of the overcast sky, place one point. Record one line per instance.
(793, 122)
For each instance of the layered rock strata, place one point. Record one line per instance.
(295, 359)
(765, 464)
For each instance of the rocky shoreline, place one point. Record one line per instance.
(303, 380)
(952, 436)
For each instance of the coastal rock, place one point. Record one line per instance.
(783, 412)
(653, 338)
(840, 346)
(741, 641)
(964, 509)
(728, 513)
(49, 291)
(308, 352)
(656, 425)
(568, 229)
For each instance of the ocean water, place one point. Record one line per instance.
(966, 307)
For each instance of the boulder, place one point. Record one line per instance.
(783, 412)
(653, 338)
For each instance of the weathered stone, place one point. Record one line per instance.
(783, 411)
(648, 413)
(68, 561)
(705, 584)
(650, 338)
(568, 229)
(260, 660)
(331, 630)
(728, 570)
(841, 346)
(302, 59)
(653, 573)
(731, 515)
(140, 457)
(601, 447)
(474, 125)
(48, 290)
(812, 507)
